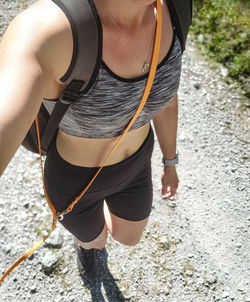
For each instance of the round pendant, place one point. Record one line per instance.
(145, 67)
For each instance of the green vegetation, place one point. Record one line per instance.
(222, 30)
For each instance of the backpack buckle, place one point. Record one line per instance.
(72, 92)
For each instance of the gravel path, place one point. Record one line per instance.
(196, 246)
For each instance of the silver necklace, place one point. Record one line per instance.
(146, 65)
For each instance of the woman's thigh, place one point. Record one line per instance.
(125, 231)
(126, 212)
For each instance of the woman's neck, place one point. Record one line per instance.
(127, 13)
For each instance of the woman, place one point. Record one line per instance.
(32, 61)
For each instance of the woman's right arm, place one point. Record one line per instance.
(27, 68)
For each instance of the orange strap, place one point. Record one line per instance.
(153, 67)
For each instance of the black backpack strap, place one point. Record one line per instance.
(87, 38)
(181, 13)
(87, 52)
(69, 96)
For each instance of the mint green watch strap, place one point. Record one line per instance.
(170, 162)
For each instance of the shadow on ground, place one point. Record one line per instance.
(104, 282)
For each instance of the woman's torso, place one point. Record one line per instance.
(91, 152)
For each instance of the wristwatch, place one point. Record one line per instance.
(171, 162)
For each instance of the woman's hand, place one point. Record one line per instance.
(169, 181)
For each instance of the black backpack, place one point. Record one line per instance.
(87, 52)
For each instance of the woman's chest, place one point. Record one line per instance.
(127, 52)
(114, 94)
(123, 58)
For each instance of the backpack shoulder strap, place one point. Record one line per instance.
(87, 52)
(181, 14)
(87, 38)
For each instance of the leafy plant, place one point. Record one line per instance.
(222, 28)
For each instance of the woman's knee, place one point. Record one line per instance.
(129, 239)
(129, 234)
(98, 243)
(125, 231)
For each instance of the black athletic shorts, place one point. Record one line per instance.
(126, 187)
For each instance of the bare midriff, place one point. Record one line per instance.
(91, 152)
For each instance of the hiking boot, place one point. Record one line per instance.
(86, 263)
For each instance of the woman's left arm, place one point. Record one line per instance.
(165, 123)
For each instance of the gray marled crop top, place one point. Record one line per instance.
(107, 107)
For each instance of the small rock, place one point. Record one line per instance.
(224, 71)
(189, 273)
(197, 86)
(166, 291)
(201, 38)
(33, 289)
(241, 289)
(172, 204)
(55, 240)
(61, 291)
(116, 277)
(164, 242)
(238, 244)
(65, 270)
(49, 261)
(42, 193)
(26, 205)
(7, 249)
(225, 295)
(126, 297)
(31, 257)
(182, 137)
(169, 284)
(190, 281)
(211, 279)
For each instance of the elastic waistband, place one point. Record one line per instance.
(143, 149)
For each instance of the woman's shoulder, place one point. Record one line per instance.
(44, 30)
(44, 18)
